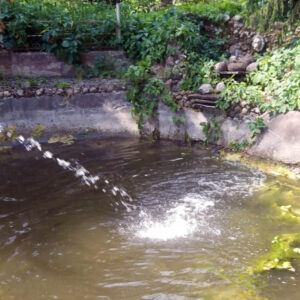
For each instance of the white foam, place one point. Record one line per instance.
(180, 221)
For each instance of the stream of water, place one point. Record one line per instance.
(129, 219)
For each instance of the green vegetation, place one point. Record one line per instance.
(274, 86)
(284, 248)
(256, 127)
(239, 146)
(145, 91)
(61, 84)
(153, 31)
(151, 38)
(264, 14)
(64, 28)
(105, 67)
(211, 129)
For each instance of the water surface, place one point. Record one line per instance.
(164, 222)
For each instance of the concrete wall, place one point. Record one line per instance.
(36, 64)
(109, 114)
(104, 113)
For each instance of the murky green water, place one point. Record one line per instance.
(195, 226)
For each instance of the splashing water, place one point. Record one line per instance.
(80, 172)
(182, 220)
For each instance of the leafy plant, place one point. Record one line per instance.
(179, 120)
(211, 130)
(239, 146)
(198, 72)
(32, 82)
(65, 28)
(256, 127)
(273, 87)
(206, 129)
(145, 91)
(104, 67)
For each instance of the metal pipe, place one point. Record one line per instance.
(118, 19)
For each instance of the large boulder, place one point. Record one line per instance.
(221, 66)
(247, 59)
(252, 67)
(281, 139)
(237, 67)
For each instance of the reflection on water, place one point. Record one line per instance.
(166, 222)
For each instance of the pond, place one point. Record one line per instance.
(162, 222)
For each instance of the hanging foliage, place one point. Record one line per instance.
(263, 13)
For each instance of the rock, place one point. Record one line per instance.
(60, 92)
(236, 67)
(226, 18)
(237, 18)
(232, 58)
(6, 94)
(85, 90)
(221, 66)
(252, 67)
(237, 109)
(220, 87)
(244, 34)
(238, 25)
(258, 43)
(247, 59)
(76, 90)
(236, 32)
(69, 92)
(168, 84)
(256, 110)
(243, 104)
(93, 89)
(182, 57)
(244, 111)
(20, 93)
(109, 88)
(39, 92)
(175, 88)
(170, 62)
(205, 88)
(245, 47)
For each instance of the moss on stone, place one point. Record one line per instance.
(38, 130)
(66, 139)
(268, 167)
(284, 249)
